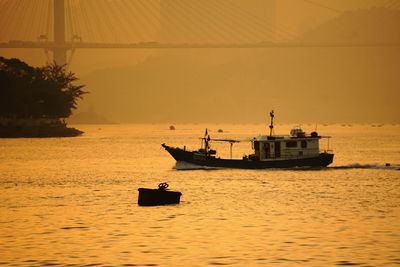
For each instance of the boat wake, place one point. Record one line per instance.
(367, 166)
(182, 165)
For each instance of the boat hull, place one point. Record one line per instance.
(322, 160)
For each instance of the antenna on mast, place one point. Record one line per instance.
(271, 126)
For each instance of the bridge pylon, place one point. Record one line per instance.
(59, 54)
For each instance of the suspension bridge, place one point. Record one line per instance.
(62, 26)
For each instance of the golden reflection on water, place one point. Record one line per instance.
(73, 201)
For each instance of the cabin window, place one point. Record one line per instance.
(267, 150)
(304, 144)
(291, 144)
(277, 149)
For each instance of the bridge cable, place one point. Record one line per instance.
(98, 20)
(76, 21)
(272, 30)
(49, 15)
(148, 13)
(168, 18)
(33, 23)
(42, 18)
(258, 27)
(128, 29)
(323, 6)
(24, 24)
(32, 17)
(223, 24)
(238, 17)
(244, 24)
(13, 22)
(156, 16)
(393, 4)
(83, 22)
(133, 9)
(89, 18)
(5, 21)
(69, 32)
(226, 24)
(187, 16)
(124, 24)
(107, 27)
(208, 16)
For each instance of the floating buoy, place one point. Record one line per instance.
(160, 196)
(220, 130)
(172, 127)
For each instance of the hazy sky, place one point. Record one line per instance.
(312, 84)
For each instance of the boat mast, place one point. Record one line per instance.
(206, 141)
(271, 126)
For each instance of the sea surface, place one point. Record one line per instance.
(73, 201)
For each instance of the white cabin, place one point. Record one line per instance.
(294, 146)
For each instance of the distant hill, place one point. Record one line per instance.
(363, 25)
(237, 85)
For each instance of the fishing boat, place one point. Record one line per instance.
(298, 149)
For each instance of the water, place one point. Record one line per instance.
(73, 201)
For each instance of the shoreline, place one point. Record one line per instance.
(40, 132)
(16, 129)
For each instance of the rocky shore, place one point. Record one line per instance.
(36, 128)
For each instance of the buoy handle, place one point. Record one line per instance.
(163, 186)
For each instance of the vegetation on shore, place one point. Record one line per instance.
(36, 100)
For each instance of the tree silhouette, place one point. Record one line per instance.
(29, 92)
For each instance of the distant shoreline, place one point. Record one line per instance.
(31, 128)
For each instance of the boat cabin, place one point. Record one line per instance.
(296, 145)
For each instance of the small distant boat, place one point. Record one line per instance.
(270, 151)
(160, 196)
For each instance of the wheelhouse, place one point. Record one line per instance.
(296, 145)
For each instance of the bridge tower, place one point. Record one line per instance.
(59, 50)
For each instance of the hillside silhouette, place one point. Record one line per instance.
(375, 24)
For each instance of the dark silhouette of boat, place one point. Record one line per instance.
(160, 196)
(272, 151)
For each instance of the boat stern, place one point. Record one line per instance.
(326, 158)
